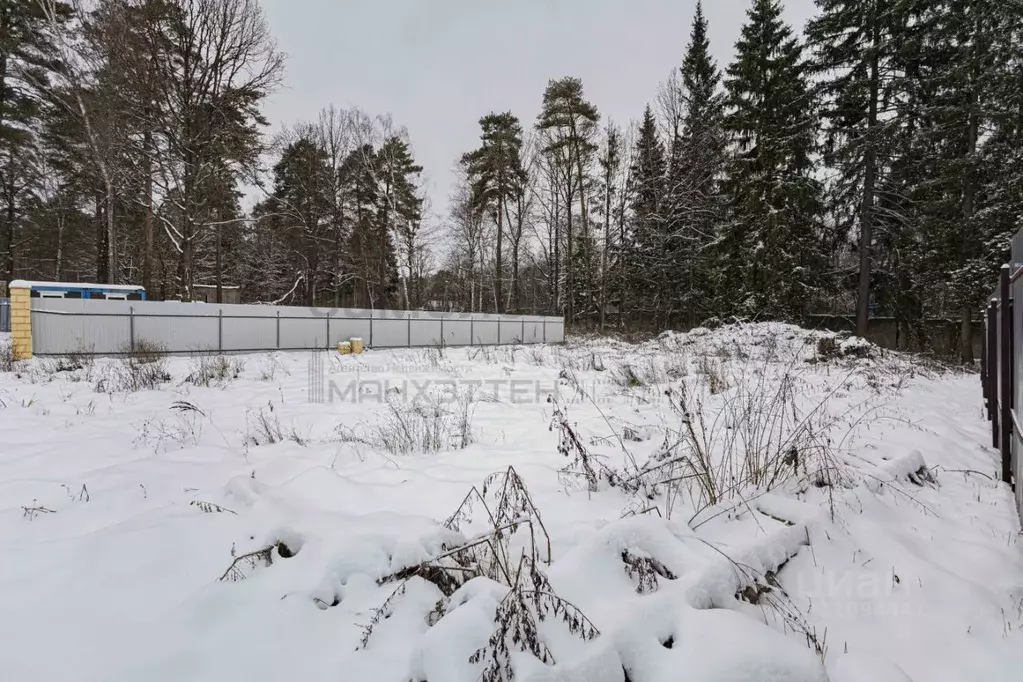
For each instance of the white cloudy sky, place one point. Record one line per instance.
(438, 65)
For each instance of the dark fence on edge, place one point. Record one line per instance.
(1000, 368)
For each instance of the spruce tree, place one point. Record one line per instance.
(642, 249)
(856, 48)
(971, 49)
(773, 255)
(692, 206)
(27, 58)
(1001, 163)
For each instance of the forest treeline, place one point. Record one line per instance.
(870, 162)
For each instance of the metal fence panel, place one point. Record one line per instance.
(512, 331)
(458, 332)
(426, 332)
(298, 333)
(249, 333)
(555, 330)
(57, 334)
(345, 328)
(176, 334)
(5, 315)
(71, 325)
(484, 332)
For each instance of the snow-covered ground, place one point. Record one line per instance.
(750, 503)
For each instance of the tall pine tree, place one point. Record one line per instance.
(301, 196)
(400, 213)
(495, 171)
(569, 124)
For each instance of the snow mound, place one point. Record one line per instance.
(720, 504)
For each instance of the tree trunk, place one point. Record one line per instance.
(516, 243)
(185, 269)
(498, 264)
(149, 226)
(569, 265)
(966, 335)
(111, 255)
(58, 261)
(102, 271)
(8, 177)
(587, 241)
(620, 270)
(867, 214)
(9, 196)
(969, 193)
(557, 253)
(219, 268)
(603, 253)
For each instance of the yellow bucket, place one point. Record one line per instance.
(344, 348)
(356, 344)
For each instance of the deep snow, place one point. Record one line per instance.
(883, 549)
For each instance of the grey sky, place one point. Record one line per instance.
(438, 65)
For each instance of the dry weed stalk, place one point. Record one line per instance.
(265, 555)
(530, 598)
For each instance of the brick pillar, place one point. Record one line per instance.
(21, 321)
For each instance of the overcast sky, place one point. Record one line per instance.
(437, 66)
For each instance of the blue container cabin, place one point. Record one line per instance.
(109, 292)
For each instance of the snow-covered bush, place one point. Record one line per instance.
(208, 369)
(77, 366)
(6, 356)
(830, 347)
(183, 429)
(504, 567)
(142, 367)
(269, 366)
(264, 428)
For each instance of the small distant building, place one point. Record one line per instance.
(207, 293)
(116, 292)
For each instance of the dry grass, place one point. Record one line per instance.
(264, 428)
(214, 370)
(739, 416)
(143, 367)
(430, 423)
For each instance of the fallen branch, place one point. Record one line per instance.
(235, 574)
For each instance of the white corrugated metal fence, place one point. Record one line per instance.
(61, 326)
